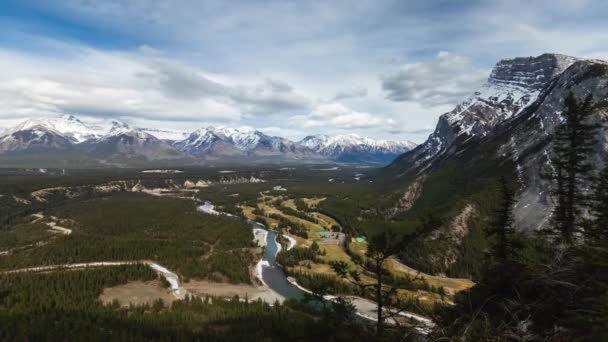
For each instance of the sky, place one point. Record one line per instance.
(383, 69)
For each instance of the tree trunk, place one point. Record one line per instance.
(379, 296)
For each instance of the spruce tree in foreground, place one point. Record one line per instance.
(573, 143)
(597, 230)
(502, 264)
(492, 308)
(590, 316)
(501, 230)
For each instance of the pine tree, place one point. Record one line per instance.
(573, 143)
(590, 316)
(492, 309)
(501, 230)
(380, 247)
(597, 230)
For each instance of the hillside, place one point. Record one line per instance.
(504, 129)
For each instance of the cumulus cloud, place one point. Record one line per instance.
(351, 93)
(338, 116)
(445, 80)
(184, 82)
(133, 84)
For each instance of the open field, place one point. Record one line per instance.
(451, 285)
(136, 293)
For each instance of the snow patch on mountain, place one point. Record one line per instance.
(339, 143)
(513, 85)
(66, 125)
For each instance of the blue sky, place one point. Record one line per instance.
(385, 69)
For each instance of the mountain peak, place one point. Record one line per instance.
(353, 147)
(530, 72)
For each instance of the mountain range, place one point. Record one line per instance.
(116, 140)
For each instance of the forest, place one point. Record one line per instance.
(128, 227)
(56, 305)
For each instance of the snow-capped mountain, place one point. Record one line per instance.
(507, 129)
(116, 139)
(512, 85)
(68, 126)
(165, 134)
(217, 142)
(32, 138)
(354, 148)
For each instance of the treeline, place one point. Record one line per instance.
(292, 257)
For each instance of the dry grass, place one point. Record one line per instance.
(335, 253)
(300, 242)
(248, 212)
(315, 269)
(310, 226)
(325, 220)
(451, 285)
(290, 203)
(136, 293)
(313, 202)
(358, 247)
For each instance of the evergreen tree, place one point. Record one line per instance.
(380, 247)
(502, 230)
(574, 141)
(492, 308)
(597, 230)
(590, 316)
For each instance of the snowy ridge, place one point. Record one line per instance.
(113, 136)
(67, 125)
(165, 134)
(513, 85)
(339, 143)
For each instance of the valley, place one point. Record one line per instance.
(222, 233)
(195, 226)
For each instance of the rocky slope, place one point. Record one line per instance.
(512, 85)
(507, 127)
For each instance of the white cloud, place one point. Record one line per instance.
(340, 117)
(132, 84)
(444, 80)
(238, 62)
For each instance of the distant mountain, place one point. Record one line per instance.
(165, 134)
(33, 137)
(354, 148)
(113, 139)
(67, 126)
(122, 141)
(230, 142)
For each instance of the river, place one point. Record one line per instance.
(272, 274)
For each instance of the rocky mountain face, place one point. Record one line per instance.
(116, 139)
(33, 138)
(508, 127)
(354, 148)
(132, 144)
(513, 85)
